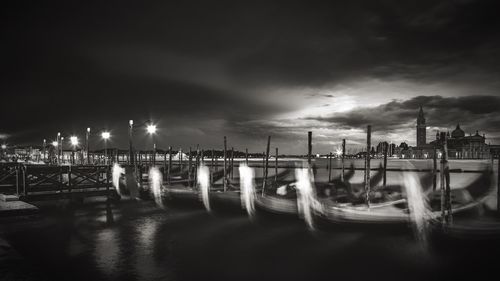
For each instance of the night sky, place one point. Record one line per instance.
(247, 70)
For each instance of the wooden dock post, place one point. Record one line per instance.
(169, 170)
(190, 159)
(232, 163)
(212, 169)
(165, 163)
(246, 156)
(309, 147)
(498, 185)
(266, 163)
(196, 164)
(263, 163)
(276, 167)
(330, 167)
(367, 161)
(179, 153)
(445, 186)
(434, 169)
(386, 148)
(343, 157)
(225, 166)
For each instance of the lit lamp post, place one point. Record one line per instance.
(105, 137)
(58, 156)
(74, 143)
(61, 149)
(131, 155)
(87, 145)
(151, 129)
(4, 148)
(44, 145)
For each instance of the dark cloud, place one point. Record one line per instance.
(473, 112)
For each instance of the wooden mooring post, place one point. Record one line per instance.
(169, 170)
(446, 218)
(309, 147)
(367, 163)
(342, 160)
(266, 163)
(434, 168)
(190, 159)
(276, 167)
(386, 148)
(498, 185)
(330, 167)
(232, 163)
(246, 156)
(225, 165)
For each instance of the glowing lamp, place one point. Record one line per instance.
(73, 140)
(105, 135)
(151, 129)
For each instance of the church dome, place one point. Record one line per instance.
(458, 133)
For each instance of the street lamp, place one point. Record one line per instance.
(4, 147)
(105, 137)
(74, 143)
(44, 147)
(61, 149)
(151, 129)
(131, 156)
(87, 144)
(58, 139)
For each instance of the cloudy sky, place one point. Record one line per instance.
(248, 70)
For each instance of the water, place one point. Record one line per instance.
(136, 240)
(117, 172)
(204, 184)
(306, 199)
(155, 184)
(247, 189)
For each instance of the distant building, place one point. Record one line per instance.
(459, 146)
(464, 147)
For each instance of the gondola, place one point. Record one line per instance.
(397, 212)
(232, 196)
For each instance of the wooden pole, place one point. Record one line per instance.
(197, 163)
(180, 158)
(434, 169)
(367, 169)
(309, 147)
(263, 163)
(276, 167)
(330, 167)
(190, 159)
(232, 163)
(165, 163)
(498, 185)
(444, 183)
(169, 171)
(343, 157)
(225, 166)
(386, 148)
(246, 156)
(266, 164)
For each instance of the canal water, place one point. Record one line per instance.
(135, 240)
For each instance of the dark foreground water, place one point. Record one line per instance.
(138, 241)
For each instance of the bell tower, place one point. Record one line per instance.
(421, 128)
